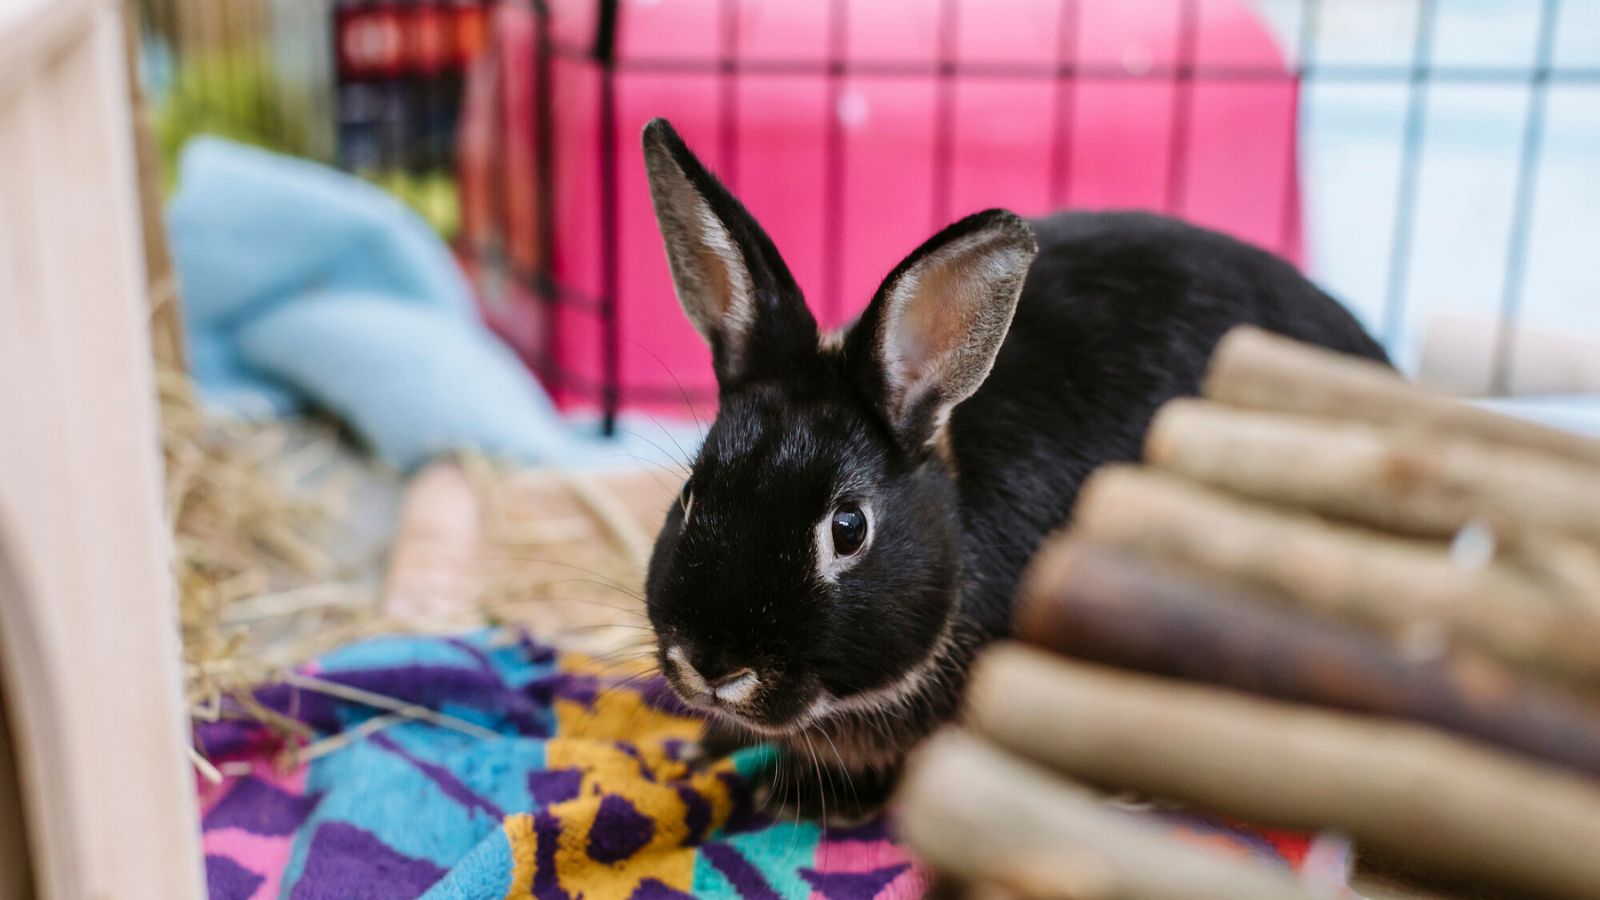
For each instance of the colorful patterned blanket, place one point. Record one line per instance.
(584, 789)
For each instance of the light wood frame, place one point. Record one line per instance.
(89, 652)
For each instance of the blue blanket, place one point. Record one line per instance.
(306, 287)
(574, 782)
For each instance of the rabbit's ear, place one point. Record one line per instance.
(931, 334)
(728, 275)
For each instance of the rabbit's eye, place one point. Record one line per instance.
(849, 530)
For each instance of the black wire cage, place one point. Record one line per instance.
(1546, 49)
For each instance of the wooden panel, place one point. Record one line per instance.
(16, 875)
(87, 621)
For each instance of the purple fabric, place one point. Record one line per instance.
(259, 808)
(227, 880)
(547, 829)
(348, 863)
(554, 785)
(651, 889)
(849, 885)
(581, 689)
(619, 830)
(745, 878)
(698, 814)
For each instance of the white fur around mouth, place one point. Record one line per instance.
(687, 672)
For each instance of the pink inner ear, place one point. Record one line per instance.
(929, 324)
(947, 317)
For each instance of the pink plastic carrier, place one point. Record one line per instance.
(852, 129)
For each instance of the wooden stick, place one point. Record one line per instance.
(399, 707)
(1104, 606)
(1404, 790)
(1457, 356)
(1254, 368)
(986, 816)
(166, 313)
(435, 564)
(1386, 477)
(16, 873)
(1406, 588)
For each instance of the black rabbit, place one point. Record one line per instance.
(863, 506)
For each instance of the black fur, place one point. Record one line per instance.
(786, 325)
(1118, 313)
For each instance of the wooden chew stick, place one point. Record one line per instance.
(1405, 588)
(985, 816)
(1404, 790)
(1423, 484)
(1254, 368)
(1457, 356)
(1098, 604)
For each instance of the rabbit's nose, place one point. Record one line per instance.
(735, 687)
(731, 686)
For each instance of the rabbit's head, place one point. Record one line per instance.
(812, 561)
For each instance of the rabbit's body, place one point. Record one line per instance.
(1119, 313)
(862, 509)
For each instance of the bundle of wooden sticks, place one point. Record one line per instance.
(1328, 600)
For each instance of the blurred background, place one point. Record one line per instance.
(1431, 162)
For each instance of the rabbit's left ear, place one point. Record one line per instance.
(731, 281)
(931, 334)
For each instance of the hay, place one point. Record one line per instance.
(247, 547)
(559, 554)
(253, 508)
(566, 553)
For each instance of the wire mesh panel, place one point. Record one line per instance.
(1417, 157)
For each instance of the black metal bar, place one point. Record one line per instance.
(1410, 172)
(225, 68)
(1292, 212)
(1065, 104)
(610, 224)
(339, 90)
(1528, 159)
(414, 90)
(326, 105)
(833, 224)
(393, 118)
(728, 93)
(1178, 131)
(544, 178)
(269, 108)
(944, 115)
(495, 253)
(605, 33)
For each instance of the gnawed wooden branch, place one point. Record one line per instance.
(1102, 605)
(1409, 589)
(991, 818)
(1389, 478)
(1402, 789)
(1254, 368)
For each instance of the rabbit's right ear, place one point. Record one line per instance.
(728, 275)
